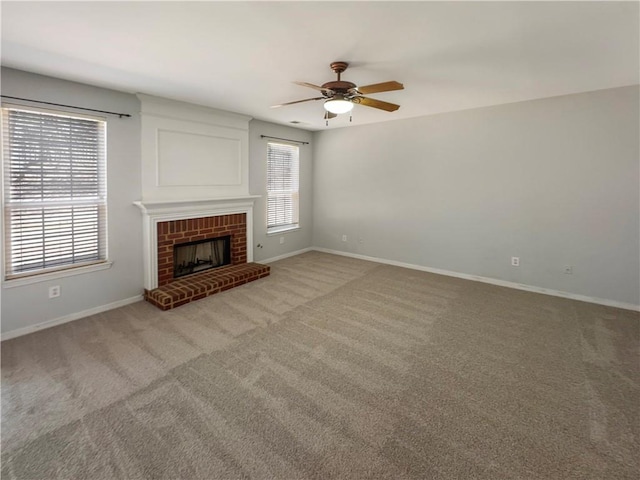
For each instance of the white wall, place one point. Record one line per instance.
(29, 305)
(294, 240)
(553, 181)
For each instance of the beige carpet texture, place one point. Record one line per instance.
(332, 367)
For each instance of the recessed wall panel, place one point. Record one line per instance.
(187, 159)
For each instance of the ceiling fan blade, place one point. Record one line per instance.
(328, 115)
(297, 101)
(315, 87)
(380, 87)
(372, 102)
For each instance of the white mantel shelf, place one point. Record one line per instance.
(155, 211)
(168, 206)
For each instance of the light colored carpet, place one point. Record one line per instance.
(330, 368)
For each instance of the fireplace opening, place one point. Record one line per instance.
(202, 255)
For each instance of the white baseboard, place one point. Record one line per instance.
(69, 318)
(492, 281)
(110, 306)
(286, 255)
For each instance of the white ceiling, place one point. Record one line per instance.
(243, 56)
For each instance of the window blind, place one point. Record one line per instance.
(55, 190)
(282, 185)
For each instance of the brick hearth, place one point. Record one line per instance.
(200, 285)
(173, 292)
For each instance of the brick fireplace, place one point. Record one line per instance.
(170, 224)
(176, 232)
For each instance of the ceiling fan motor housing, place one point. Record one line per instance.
(339, 86)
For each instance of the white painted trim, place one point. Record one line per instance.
(286, 255)
(159, 207)
(492, 281)
(69, 318)
(54, 275)
(280, 230)
(503, 283)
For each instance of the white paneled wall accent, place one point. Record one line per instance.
(192, 152)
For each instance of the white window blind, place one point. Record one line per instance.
(282, 186)
(54, 191)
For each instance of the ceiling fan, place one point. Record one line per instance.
(340, 96)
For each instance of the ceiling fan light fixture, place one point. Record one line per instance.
(339, 96)
(338, 105)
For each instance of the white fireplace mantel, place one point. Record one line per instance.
(156, 211)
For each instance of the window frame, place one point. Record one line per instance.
(13, 279)
(283, 228)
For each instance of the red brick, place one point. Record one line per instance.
(180, 291)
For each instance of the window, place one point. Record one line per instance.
(283, 168)
(54, 191)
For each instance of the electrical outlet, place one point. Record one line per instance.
(54, 291)
(360, 240)
(344, 238)
(515, 261)
(568, 269)
(281, 240)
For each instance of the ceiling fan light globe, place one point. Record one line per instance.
(338, 105)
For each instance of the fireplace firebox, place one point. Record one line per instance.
(194, 257)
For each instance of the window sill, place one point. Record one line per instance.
(278, 230)
(45, 277)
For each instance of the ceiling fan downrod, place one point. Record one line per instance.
(338, 68)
